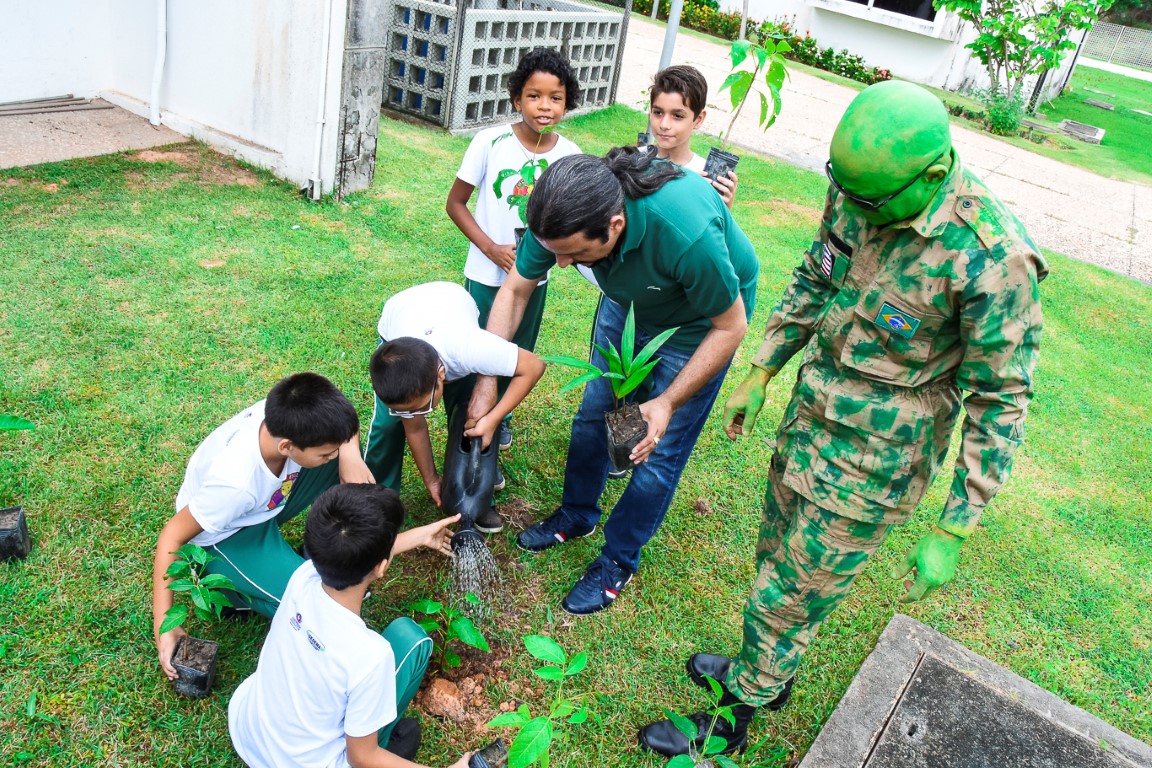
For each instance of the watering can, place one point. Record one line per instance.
(469, 474)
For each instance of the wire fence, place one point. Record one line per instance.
(1113, 43)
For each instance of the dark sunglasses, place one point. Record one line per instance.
(875, 205)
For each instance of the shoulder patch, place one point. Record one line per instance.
(981, 218)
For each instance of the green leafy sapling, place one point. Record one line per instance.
(536, 734)
(449, 623)
(768, 57)
(625, 371)
(186, 575)
(713, 745)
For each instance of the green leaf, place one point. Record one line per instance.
(178, 569)
(715, 745)
(683, 724)
(725, 713)
(615, 362)
(725, 762)
(427, 607)
(465, 630)
(579, 716)
(429, 625)
(471, 599)
(545, 649)
(681, 761)
(628, 338)
(636, 379)
(739, 90)
(714, 686)
(200, 598)
(569, 360)
(579, 661)
(30, 707)
(532, 742)
(508, 720)
(549, 673)
(739, 52)
(653, 346)
(562, 709)
(181, 585)
(175, 616)
(583, 378)
(733, 78)
(763, 109)
(10, 422)
(761, 57)
(217, 581)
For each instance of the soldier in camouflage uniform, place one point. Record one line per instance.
(921, 285)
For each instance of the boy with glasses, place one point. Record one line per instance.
(431, 349)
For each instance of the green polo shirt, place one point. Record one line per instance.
(681, 260)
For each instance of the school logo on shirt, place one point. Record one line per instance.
(897, 321)
(295, 622)
(314, 641)
(283, 491)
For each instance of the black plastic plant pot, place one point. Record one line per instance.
(495, 755)
(197, 671)
(15, 543)
(643, 139)
(719, 163)
(469, 472)
(626, 428)
(519, 233)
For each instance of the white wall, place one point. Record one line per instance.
(50, 49)
(242, 75)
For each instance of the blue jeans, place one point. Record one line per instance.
(642, 507)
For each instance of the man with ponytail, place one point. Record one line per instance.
(656, 239)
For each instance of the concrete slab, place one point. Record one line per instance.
(36, 139)
(1065, 208)
(921, 700)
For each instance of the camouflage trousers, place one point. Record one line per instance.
(806, 561)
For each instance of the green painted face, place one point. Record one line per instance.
(894, 138)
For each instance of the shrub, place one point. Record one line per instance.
(1004, 110)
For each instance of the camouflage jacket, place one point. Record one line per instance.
(894, 323)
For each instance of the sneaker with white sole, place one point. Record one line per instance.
(552, 530)
(598, 587)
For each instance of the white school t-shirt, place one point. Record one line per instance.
(227, 485)
(496, 152)
(446, 316)
(322, 675)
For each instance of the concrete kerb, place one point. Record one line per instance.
(1090, 209)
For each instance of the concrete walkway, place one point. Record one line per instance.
(50, 138)
(1066, 209)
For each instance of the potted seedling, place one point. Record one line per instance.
(626, 372)
(767, 58)
(535, 735)
(195, 659)
(15, 543)
(708, 756)
(450, 624)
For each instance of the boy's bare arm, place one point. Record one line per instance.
(365, 752)
(178, 531)
(352, 466)
(529, 369)
(502, 255)
(420, 443)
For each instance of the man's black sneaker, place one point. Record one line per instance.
(552, 530)
(716, 667)
(404, 741)
(236, 613)
(490, 521)
(616, 474)
(499, 484)
(597, 588)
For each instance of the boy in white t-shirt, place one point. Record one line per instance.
(502, 165)
(328, 691)
(254, 473)
(679, 95)
(432, 347)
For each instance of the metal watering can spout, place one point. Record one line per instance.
(469, 474)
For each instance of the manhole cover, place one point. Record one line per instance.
(946, 719)
(1082, 131)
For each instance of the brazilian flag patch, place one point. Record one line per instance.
(897, 321)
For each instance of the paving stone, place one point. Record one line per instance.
(1101, 104)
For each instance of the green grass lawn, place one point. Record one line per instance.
(145, 301)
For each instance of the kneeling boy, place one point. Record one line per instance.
(254, 473)
(431, 348)
(329, 691)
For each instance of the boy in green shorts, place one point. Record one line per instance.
(328, 689)
(254, 473)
